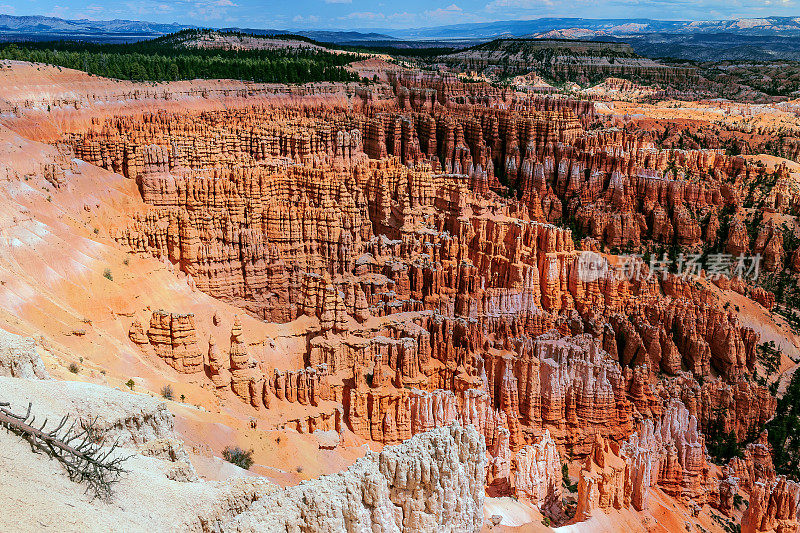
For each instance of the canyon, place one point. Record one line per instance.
(413, 299)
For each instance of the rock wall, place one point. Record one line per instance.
(537, 474)
(668, 453)
(565, 60)
(604, 481)
(433, 482)
(742, 473)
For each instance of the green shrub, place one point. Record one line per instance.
(166, 392)
(769, 356)
(572, 487)
(738, 501)
(784, 430)
(722, 446)
(239, 457)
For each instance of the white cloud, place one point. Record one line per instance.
(6, 9)
(91, 12)
(338, 1)
(311, 19)
(364, 15)
(404, 18)
(210, 9)
(58, 11)
(504, 5)
(444, 14)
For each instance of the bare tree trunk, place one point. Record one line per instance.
(79, 450)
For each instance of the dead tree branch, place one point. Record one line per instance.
(79, 449)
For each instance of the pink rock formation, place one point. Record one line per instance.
(772, 507)
(174, 339)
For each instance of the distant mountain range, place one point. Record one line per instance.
(36, 28)
(36, 25)
(766, 38)
(587, 28)
(543, 27)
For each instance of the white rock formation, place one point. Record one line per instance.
(432, 482)
(669, 453)
(537, 474)
(18, 357)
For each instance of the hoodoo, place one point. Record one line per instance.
(371, 291)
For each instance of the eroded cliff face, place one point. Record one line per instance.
(566, 60)
(668, 453)
(423, 238)
(432, 482)
(773, 506)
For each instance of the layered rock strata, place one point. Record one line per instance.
(415, 238)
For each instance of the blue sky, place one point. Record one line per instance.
(360, 14)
